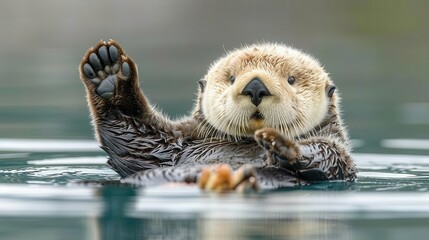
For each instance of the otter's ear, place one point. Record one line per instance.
(330, 89)
(202, 84)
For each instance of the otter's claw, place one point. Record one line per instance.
(276, 144)
(221, 178)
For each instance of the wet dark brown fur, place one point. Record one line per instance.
(147, 148)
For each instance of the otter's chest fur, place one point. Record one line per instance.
(217, 151)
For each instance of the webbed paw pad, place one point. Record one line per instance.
(103, 65)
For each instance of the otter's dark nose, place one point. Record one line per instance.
(256, 90)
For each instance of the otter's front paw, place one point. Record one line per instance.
(222, 178)
(104, 66)
(276, 144)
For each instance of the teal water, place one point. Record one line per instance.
(40, 192)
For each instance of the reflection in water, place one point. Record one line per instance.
(114, 212)
(405, 143)
(386, 190)
(48, 145)
(69, 161)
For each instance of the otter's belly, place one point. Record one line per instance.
(235, 154)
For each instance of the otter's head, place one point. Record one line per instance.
(266, 85)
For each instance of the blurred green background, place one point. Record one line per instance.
(377, 53)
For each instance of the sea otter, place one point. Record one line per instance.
(267, 115)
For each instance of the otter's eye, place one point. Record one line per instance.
(232, 79)
(291, 80)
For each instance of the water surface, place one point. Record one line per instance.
(40, 192)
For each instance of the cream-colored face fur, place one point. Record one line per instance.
(292, 109)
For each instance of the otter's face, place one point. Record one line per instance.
(265, 86)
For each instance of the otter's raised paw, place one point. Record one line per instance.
(276, 144)
(104, 66)
(222, 178)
